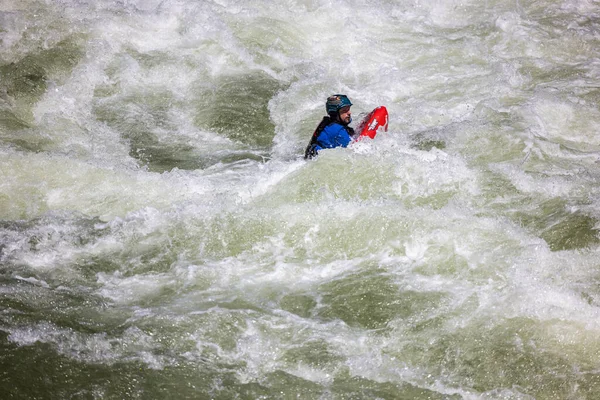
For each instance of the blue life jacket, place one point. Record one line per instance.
(329, 134)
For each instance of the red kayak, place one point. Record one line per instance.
(378, 118)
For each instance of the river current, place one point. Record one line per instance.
(162, 237)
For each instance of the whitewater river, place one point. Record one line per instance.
(162, 237)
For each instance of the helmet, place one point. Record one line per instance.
(336, 102)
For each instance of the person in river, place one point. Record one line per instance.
(333, 130)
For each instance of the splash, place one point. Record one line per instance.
(161, 233)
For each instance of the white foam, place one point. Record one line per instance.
(504, 93)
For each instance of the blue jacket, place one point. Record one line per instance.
(333, 135)
(328, 135)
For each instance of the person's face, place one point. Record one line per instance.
(345, 115)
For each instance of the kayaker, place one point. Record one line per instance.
(333, 130)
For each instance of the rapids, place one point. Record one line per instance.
(161, 236)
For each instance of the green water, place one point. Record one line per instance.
(162, 237)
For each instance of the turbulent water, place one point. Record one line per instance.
(162, 237)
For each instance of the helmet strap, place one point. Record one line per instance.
(335, 117)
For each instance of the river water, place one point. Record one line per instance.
(161, 236)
